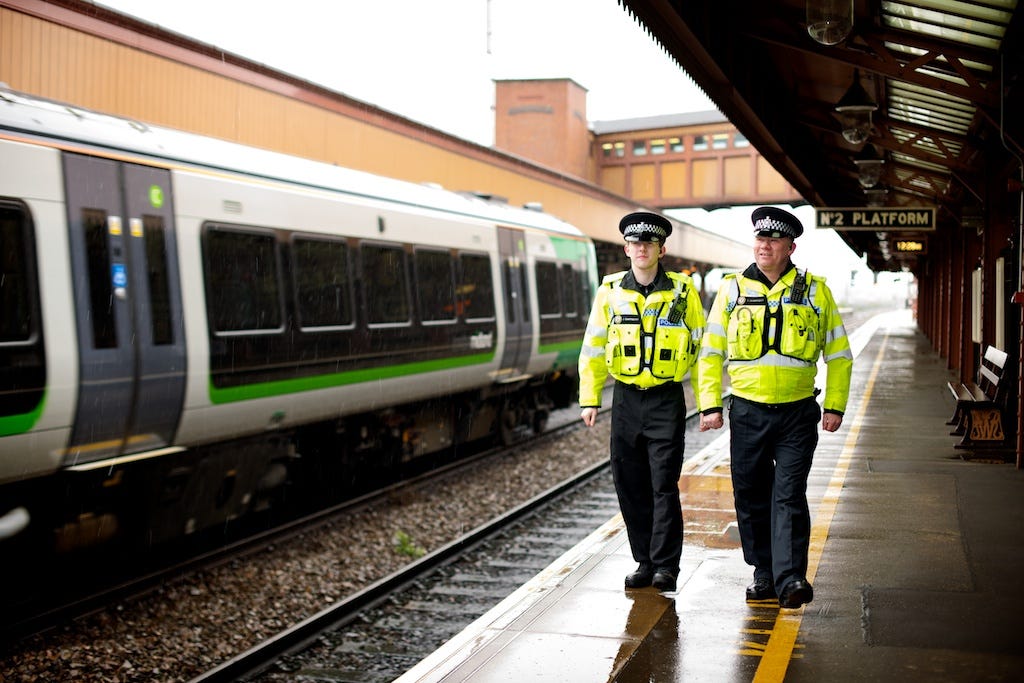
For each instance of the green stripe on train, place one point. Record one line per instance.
(568, 353)
(337, 379)
(22, 422)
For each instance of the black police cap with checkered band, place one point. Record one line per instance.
(643, 226)
(773, 222)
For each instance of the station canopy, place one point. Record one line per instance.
(902, 105)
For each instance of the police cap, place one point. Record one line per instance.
(643, 226)
(772, 222)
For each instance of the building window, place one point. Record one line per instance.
(658, 146)
(613, 149)
(639, 148)
(720, 141)
(676, 145)
(740, 140)
(700, 143)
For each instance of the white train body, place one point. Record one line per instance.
(187, 316)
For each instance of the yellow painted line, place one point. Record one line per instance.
(779, 650)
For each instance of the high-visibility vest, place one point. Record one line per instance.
(638, 340)
(772, 339)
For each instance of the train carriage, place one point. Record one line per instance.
(189, 326)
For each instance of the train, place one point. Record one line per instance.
(190, 328)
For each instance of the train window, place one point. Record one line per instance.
(525, 291)
(583, 288)
(155, 242)
(101, 297)
(322, 283)
(567, 286)
(16, 280)
(242, 283)
(475, 290)
(510, 290)
(547, 282)
(385, 287)
(435, 286)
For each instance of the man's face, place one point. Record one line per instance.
(644, 254)
(771, 253)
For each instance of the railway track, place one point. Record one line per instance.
(381, 632)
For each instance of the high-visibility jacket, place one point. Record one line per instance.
(643, 341)
(772, 338)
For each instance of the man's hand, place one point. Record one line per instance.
(830, 422)
(711, 421)
(589, 416)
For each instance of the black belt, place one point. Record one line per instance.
(664, 386)
(776, 406)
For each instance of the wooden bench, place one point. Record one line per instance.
(978, 415)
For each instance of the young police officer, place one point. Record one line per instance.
(771, 323)
(644, 330)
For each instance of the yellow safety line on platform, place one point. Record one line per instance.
(779, 650)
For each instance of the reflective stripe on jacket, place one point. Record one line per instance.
(772, 343)
(640, 340)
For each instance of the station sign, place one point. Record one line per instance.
(881, 218)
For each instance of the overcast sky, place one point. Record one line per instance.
(435, 62)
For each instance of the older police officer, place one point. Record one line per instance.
(771, 322)
(644, 330)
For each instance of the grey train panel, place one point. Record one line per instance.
(519, 326)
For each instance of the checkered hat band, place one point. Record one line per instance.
(772, 225)
(640, 228)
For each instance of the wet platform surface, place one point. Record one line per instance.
(916, 556)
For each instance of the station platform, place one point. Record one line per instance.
(916, 558)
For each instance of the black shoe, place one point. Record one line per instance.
(664, 580)
(795, 594)
(761, 589)
(641, 578)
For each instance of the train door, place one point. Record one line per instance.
(127, 299)
(518, 319)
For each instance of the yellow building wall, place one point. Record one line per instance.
(738, 176)
(642, 181)
(674, 178)
(705, 178)
(769, 181)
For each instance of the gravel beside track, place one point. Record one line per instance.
(190, 626)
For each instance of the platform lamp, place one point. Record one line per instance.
(829, 21)
(855, 109)
(876, 196)
(869, 166)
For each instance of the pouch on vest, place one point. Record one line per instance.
(745, 332)
(799, 332)
(622, 351)
(672, 352)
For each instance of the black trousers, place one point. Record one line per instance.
(772, 448)
(646, 459)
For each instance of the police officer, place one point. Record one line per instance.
(771, 322)
(644, 330)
